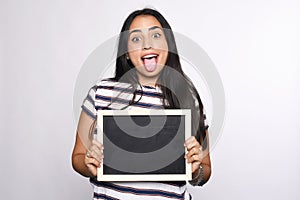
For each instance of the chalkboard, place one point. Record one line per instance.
(144, 145)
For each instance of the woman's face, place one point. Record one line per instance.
(147, 48)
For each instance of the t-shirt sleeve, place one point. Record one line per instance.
(88, 105)
(205, 120)
(206, 123)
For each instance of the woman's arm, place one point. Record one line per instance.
(87, 153)
(198, 158)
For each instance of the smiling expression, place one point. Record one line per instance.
(147, 48)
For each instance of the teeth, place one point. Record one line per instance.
(149, 56)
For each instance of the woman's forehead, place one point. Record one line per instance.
(144, 22)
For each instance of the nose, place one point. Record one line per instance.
(147, 44)
(147, 48)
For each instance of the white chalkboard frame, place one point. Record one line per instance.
(145, 177)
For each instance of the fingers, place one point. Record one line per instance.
(195, 166)
(95, 151)
(92, 169)
(194, 150)
(193, 158)
(194, 153)
(92, 165)
(98, 144)
(191, 142)
(94, 157)
(92, 161)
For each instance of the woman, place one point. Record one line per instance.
(148, 65)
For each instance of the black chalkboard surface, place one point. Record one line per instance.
(144, 145)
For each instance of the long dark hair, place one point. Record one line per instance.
(178, 92)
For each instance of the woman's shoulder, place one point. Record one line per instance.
(105, 82)
(114, 85)
(111, 82)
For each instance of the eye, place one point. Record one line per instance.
(156, 35)
(136, 39)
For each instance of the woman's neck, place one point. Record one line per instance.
(151, 81)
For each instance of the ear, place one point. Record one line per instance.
(127, 56)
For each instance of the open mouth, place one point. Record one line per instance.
(150, 62)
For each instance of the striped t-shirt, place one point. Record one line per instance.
(108, 94)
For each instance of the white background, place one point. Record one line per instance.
(255, 46)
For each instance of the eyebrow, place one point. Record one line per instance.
(150, 29)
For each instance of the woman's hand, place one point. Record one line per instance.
(94, 157)
(194, 154)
